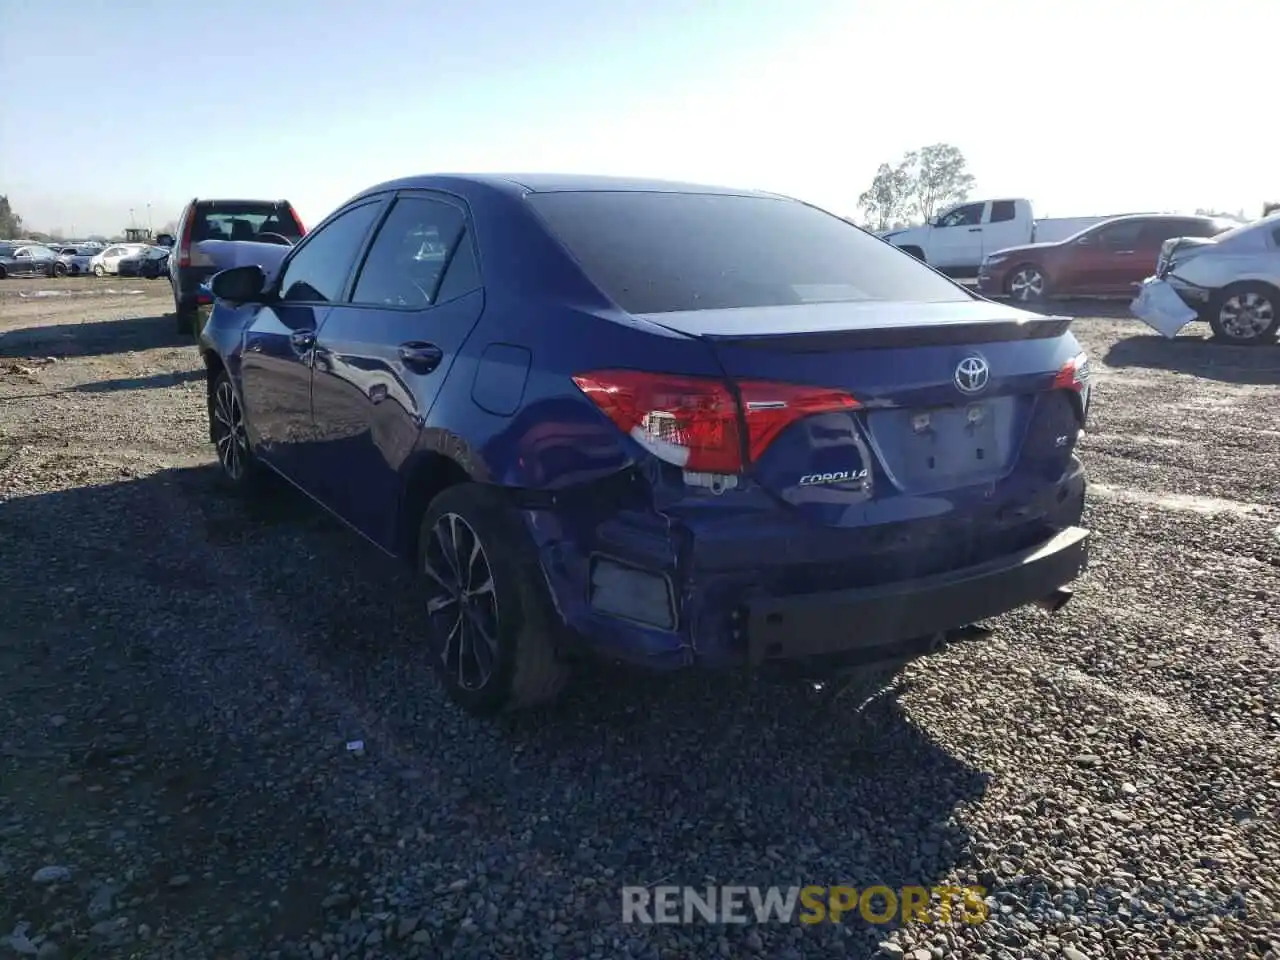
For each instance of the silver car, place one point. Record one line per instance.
(74, 260)
(1231, 281)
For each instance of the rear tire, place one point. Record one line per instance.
(492, 640)
(241, 471)
(1245, 314)
(184, 316)
(1027, 283)
(59, 269)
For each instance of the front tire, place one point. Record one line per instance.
(1245, 314)
(1027, 284)
(492, 642)
(99, 270)
(241, 472)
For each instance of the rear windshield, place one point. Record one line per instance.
(665, 252)
(243, 220)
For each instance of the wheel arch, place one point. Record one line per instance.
(915, 251)
(426, 475)
(213, 368)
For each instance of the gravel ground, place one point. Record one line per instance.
(181, 675)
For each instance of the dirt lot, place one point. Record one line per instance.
(180, 676)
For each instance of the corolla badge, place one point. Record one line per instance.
(972, 374)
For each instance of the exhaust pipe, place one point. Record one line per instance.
(1055, 601)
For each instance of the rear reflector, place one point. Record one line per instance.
(696, 422)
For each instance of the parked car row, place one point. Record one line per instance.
(123, 259)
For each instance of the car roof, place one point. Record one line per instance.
(1160, 216)
(524, 183)
(238, 200)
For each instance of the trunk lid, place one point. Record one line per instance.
(956, 400)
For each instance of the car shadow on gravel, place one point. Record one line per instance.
(217, 617)
(1198, 356)
(98, 339)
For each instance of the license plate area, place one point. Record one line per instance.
(938, 448)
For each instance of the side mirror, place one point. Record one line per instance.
(239, 284)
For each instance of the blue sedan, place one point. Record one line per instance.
(666, 424)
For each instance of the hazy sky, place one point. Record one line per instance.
(1086, 108)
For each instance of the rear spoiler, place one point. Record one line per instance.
(905, 335)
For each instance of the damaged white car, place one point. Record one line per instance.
(1231, 281)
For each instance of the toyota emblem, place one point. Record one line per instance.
(972, 374)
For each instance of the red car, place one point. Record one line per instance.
(1111, 257)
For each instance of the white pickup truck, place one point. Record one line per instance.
(959, 237)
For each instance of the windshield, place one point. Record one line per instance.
(667, 252)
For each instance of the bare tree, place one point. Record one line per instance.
(886, 201)
(938, 177)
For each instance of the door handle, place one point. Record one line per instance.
(303, 339)
(975, 229)
(421, 357)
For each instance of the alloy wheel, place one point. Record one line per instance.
(1027, 284)
(462, 605)
(1244, 316)
(229, 435)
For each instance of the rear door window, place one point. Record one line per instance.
(1003, 211)
(1157, 232)
(1121, 236)
(243, 220)
(408, 257)
(652, 252)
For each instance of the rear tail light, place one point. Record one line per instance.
(696, 422)
(184, 241)
(1074, 374)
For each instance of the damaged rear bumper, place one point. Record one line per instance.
(1165, 307)
(883, 618)
(748, 588)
